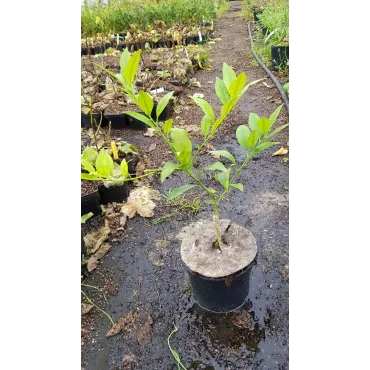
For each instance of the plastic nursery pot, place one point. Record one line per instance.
(190, 40)
(161, 44)
(83, 51)
(279, 57)
(116, 194)
(83, 247)
(165, 113)
(256, 12)
(135, 124)
(132, 161)
(85, 120)
(120, 46)
(118, 121)
(219, 279)
(90, 203)
(98, 50)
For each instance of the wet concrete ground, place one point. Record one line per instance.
(155, 282)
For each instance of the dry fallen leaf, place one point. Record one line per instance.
(152, 147)
(157, 255)
(243, 320)
(140, 201)
(93, 261)
(124, 324)
(94, 240)
(129, 362)
(268, 85)
(85, 308)
(281, 151)
(197, 95)
(149, 132)
(144, 333)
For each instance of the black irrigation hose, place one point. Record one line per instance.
(271, 75)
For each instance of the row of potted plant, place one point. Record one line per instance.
(217, 254)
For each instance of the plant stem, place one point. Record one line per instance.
(100, 309)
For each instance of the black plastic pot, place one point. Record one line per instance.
(165, 113)
(264, 30)
(161, 44)
(107, 45)
(83, 51)
(189, 40)
(220, 295)
(256, 12)
(90, 203)
(176, 82)
(113, 194)
(101, 87)
(120, 46)
(85, 120)
(279, 57)
(135, 124)
(132, 161)
(118, 121)
(98, 50)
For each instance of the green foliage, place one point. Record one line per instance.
(174, 353)
(86, 217)
(174, 193)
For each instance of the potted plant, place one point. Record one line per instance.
(217, 254)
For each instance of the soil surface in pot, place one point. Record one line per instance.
(143, 271)
(88, 187)
(238, 248)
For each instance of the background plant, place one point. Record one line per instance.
(254, 138)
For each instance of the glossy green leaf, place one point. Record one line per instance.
(228, 75)
(179, 191)
(209, 201)
(223, 178)
(168, 126)
(237, 85)
(130, 71)
(253, 139)
(246, 87)
(145, 103)
(205, 125)
(125, 57)
(242, 134)
(104, 164)
(273, 133)
(217, 166)
(221, 91)
(141, 118)
(213, 191)
(238, 186)
(86, 165)
(167, 170)
(252, 121)
(89, 154)
(182, 145)
(275, 115)
(206, 108)
(264, 125)
(264, 146)
(89, 176)
(229, 106)
(124, 168)
(224, 153)
(163, 103)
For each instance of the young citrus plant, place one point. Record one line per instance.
(253, 138)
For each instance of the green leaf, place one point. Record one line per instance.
(206, 108)
(177, 192)
(85, 217)
(246, 87)
(252, 121)
(264, 146)
(205, 125)
(229, 106)
(217, 166)
(89, 154)
(224, 153)
(125, 57)
(168, 126)
(141, 118)
(89, 176)
(209, 201)
(167, 170)
(86, 165)
(273, 133)
(275, 115)
(228, 75)
(253, 139)
(163, 103)
(223, 179)
(145, 103)
(130, 71)
(242, 134)
(104, 164)
(221, 91)
(264, 125)
(124, 168)
(237, 85)
(213, 191)
(238, 186)
(182, 145)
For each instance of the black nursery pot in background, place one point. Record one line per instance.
(165, 113)
(116, 194)
(118, 121)
(279, 57)
(90, 203)
(85, 120)
(135, 124)
(219, 295)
